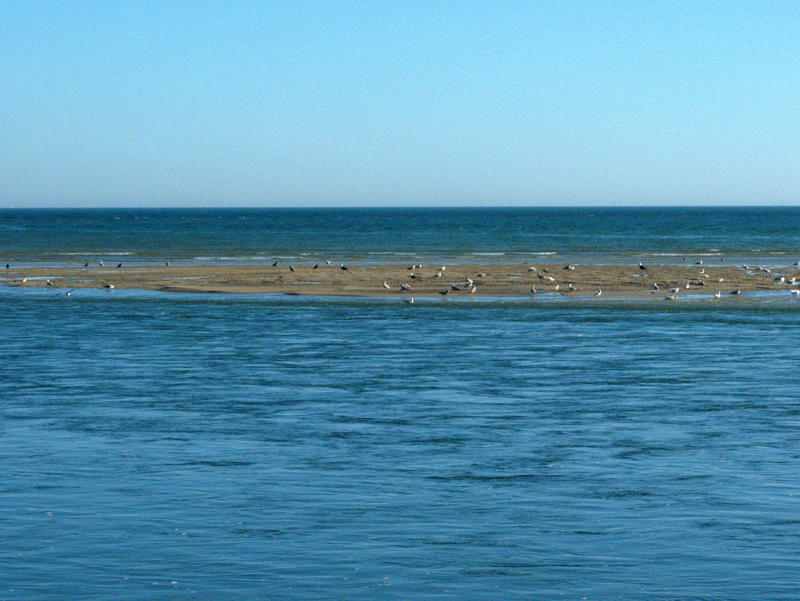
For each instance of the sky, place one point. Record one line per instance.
(429, 103)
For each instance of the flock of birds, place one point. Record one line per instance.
(546, 278)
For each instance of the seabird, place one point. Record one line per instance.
(410, 267)
(598, 292)
(556, 287)
(570, 267)
(443, 292)
(700, 262)
(409, 301)
(472, 289)
(343, 267)
(533, 289)
(718, 294)
(327, 262)
(572, 288)
(686, 285)
(737, 291)
(275, 264)
(454, 287)
(405, 287)
(24, 279)
(796, 292)
(86, 264)
(109, 286)
(443, 268)
(438, 274)
(531, 268)
(780, 279)
(482, 274)
(641, 266)
(119, 265)
(316, 266)
(101, 263)
(469, 281)
(291, 268)
(167, 263)
(49, 284)
(412, 275)
(671, 297)
(68, 292)
(655, 286)
(387, 286)
(8, 266)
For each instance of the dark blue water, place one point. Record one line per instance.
(666, 235)
(218, 447)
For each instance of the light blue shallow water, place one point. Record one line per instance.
(220, 447)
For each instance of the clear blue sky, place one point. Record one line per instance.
(399, 103)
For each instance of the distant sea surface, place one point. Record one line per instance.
(189, 446)
(666, 235)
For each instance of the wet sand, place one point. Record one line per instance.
(367, 280)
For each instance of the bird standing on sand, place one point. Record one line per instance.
(533, 289)
(316, 266)
(737, 291)
(443, 292)
(292, 269)
(598, 292)
(343, 267)
(642, 266)
(405, 287)
(387, 286)
(655, 286)
(275, 264)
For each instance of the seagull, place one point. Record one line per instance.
(275, 264)
(68, 292)
(482, 274)
(24, 279)
(167, 263)
(671, 297)
(412, 275)
(109, 286)
(405, 287)
(292, 269)
(469, 281)
(718, 294)
(443, 268)
(531, 268)
(700, 262)
(472, 289)
(387, 286)
(343, 267)
(796, 292)
(101, 263)
(598, 292)
(327, 262)
(49, 283)
(119, 265)
(533, 289)
(686, 285)
(572, 288)
(443, 292)
(556, 287)
(316, 266)
(86, 264)
(438, 274)
(409, 301)
(570, 267)
(454, 287)
(780, 279)
(641, 266)
(737, 291)
(655, 286)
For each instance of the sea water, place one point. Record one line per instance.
(769, 236)
(157, 446)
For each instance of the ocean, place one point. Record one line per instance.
(769, 236)
(190, 446)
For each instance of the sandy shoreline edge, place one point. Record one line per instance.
(420, 281)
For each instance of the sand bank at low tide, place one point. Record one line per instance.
(368, 280)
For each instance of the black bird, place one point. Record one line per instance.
(641, 266)
(275, 264)
(8, 266)
(316, 266)
(291, 268)
(86, 264)
(454, 287)
(443, 292)
(343, 267)
(119, 265)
